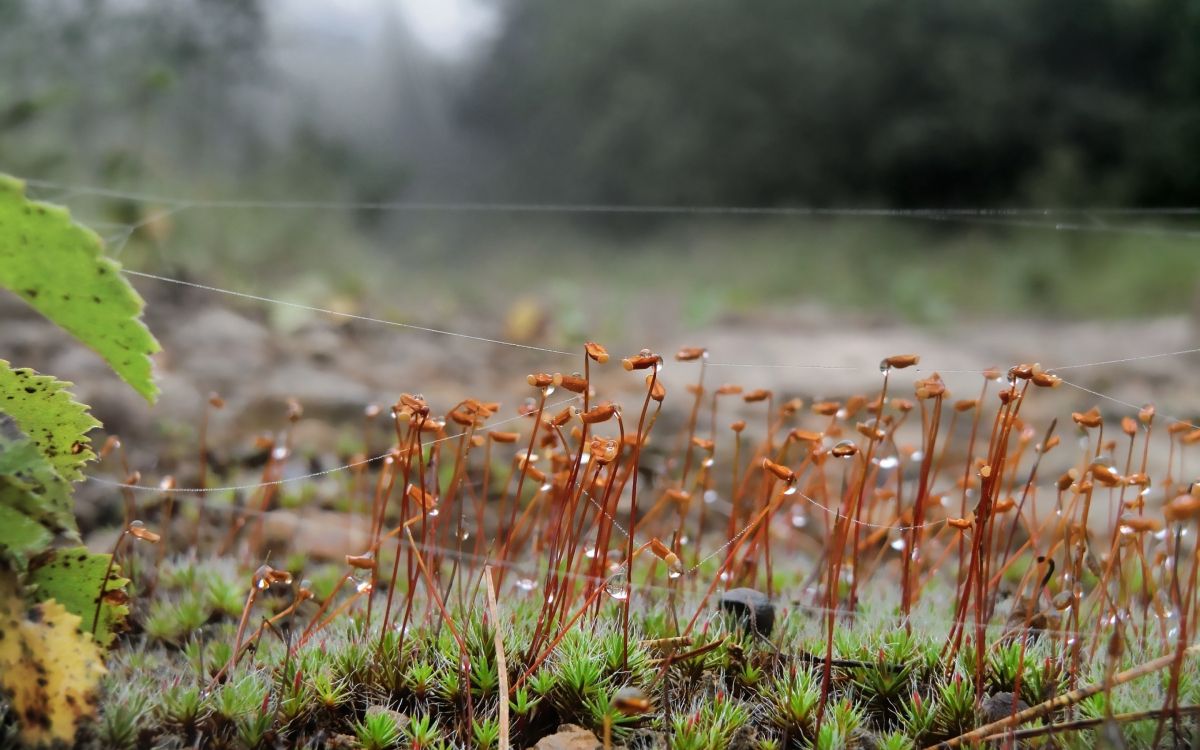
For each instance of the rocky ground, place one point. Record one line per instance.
(336, 367)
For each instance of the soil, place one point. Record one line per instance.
(336, 367)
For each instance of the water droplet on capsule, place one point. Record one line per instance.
(617, 587)
(843, 449)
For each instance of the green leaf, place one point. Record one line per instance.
(20, 535)
(45, 411)
(74, 578)
(31, 488)
(58, 267)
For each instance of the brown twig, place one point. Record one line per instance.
(1062, 701)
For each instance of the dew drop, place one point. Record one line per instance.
(526, 584)
(799, 520)
(791, 490)
(364, 587)
(889, 462)
(710, 496)
(897, 544)
(844, 449)
(708, 462)
(617, 587)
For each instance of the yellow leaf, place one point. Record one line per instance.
(49, 670)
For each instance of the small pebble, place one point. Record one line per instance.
(752, 607)
(999, 706)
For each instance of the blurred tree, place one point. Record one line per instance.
(862, 101)
(109, 89)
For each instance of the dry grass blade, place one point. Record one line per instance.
(501, 664)
(1079, 724)
(1062, 701)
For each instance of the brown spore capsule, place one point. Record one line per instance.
(900, 361)
(640, 362)
(596, 352)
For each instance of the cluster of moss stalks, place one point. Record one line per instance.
(883, 637)
(728, 685)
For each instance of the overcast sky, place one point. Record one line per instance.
(447, 27)
(370, 72)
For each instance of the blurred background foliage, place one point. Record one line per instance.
(775, 103)
(929, 102)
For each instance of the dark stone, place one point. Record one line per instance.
(999, 706)
(861, 739)
(752, 607)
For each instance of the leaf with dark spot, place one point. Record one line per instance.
(63, 273)
(75, 577)
(49, 671)
(56, 423)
